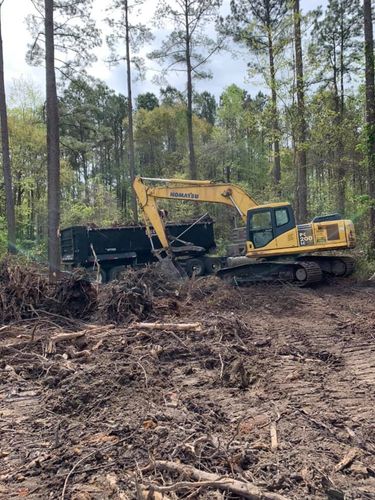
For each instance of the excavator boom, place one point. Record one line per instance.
(188, 190)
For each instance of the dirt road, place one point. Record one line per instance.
(276, 391)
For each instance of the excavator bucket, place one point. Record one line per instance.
(171, 269)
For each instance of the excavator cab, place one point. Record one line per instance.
(266, 223)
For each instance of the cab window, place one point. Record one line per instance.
(261, 220)
(281, 216)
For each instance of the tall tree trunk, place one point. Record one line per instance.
(189, 113)
(301, 120)
(341, 167)
(9, 200)
(130, 114)
(275, 118)
(84, 168)
(338, 154)
(370, 113)
(85, 178)
(53, 147)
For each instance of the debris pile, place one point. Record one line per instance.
(25, 292)
(22, 291)
(137, 296)
(123, 302)
(72, 296)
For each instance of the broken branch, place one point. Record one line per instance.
(196, 327)
(273, 432)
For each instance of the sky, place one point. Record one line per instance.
(226, 68)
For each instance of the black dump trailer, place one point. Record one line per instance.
(115, 248)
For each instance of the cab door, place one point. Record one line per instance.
(285, 225)
(260, 227)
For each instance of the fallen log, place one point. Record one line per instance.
(195, 327)
(207, 479)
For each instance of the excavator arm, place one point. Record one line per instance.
(187, 190)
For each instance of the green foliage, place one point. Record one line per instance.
(254, 23)
(147, 101)
(3, 237)
(336, 44)
(170, 96)
(365, 266)
(241, 137)
(205, 106)
(93, 133)
(101, 211)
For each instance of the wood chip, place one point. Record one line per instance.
(347, 459)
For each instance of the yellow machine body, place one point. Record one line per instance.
(308, 238)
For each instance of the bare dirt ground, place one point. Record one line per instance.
(277, 391)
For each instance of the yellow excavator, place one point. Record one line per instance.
(276, 247)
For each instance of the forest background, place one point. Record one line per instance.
(296, 129)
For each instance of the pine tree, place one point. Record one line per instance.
(301, 209)
(259, 25)
(134, 36)
(9, 201)
(370, 113)
(75, 35)
(170, 96)
(63, 35)
(187, 48)
(205, 106)
(147, 101)
(53, 146)
(336, 50)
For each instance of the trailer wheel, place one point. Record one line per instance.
(95, 277)
(196, 267)
(212, 264)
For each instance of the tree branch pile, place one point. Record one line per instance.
(22, 290)
(25, 292)
(136, 295)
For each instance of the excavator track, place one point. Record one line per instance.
(350, 265)
(297, 272)
(332, 265)
(309, 273)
